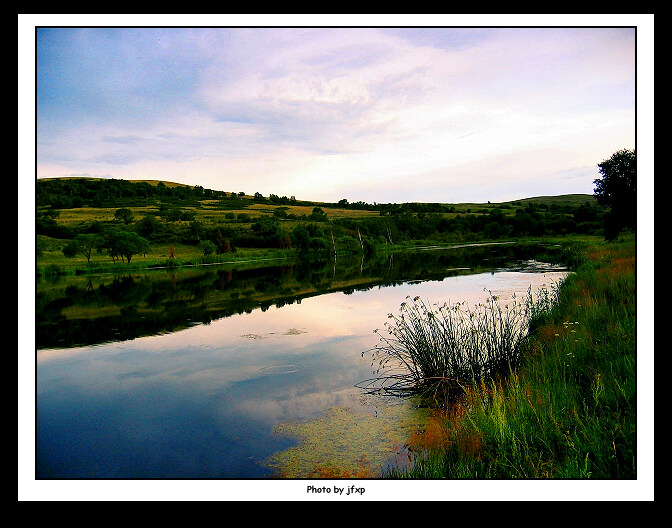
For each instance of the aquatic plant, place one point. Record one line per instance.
(441, 349)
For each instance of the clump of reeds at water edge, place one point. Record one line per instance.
(439, 350)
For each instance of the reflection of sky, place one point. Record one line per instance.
(203, 401)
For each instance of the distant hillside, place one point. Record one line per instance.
(70, 187)
(564, 199)
(90, 178)
(164, 182)
(188, 217)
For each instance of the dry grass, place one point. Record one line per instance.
(86, 215)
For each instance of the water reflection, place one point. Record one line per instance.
(205, 401)
(78, 311)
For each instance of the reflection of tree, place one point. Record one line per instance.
(131, 306)
(224, 278)
(124, 291)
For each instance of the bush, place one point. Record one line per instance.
(207, 247)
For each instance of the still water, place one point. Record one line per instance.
(239, 373)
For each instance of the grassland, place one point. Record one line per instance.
(176, 220)
(569, 411)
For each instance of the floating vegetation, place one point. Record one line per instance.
(290, 332)
(280, 369)
(438, 350)
(536, 266)
(346, 443)
(255, 337)
(295, 331)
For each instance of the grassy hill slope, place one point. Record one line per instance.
(193, 224)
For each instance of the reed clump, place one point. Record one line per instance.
(439, 350)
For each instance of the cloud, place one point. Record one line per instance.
(325, 113)
(124, 140)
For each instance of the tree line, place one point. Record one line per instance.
(66, 193)
(127, 235)
(119, 244)
(613, 210)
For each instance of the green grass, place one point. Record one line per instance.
(52, 261)
(349, 229)
(569, 409)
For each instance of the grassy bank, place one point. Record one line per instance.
(569, 409)
(53, 262)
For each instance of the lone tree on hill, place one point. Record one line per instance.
(617, 189)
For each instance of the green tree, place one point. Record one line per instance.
(124, 214)
(148, 226)
(84, 244)
(280, 212)
(300, 237)
(207, 247)
(617, 190)
(265, 227)
(196, 230)
(125, 244)
(318, 215)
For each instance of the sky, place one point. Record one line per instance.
(378, 108)
(372, 113)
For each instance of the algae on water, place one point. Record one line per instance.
(349, 443)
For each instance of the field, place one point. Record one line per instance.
(181, 225)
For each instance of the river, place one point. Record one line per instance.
(240, 373)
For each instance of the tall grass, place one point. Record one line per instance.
(569, 408)
(439, 350)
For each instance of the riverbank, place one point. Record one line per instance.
(569, 410)
(53, 263)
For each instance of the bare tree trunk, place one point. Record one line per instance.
(389, 234)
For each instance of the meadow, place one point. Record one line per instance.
(182, 225)
(567, 408)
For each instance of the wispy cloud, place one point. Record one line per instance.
(124, 140)
(378, 114)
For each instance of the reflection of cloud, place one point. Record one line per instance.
(298, 406)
